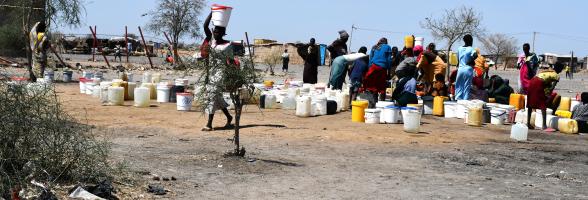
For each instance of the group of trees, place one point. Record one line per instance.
(457, 22)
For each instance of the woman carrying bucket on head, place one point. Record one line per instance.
(214, 41)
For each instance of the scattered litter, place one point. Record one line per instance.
(103, 189)
(165, 179)
(156, 178)
(173, 178)
(80, 193)
(251, 160)
(156, 189)
(219, 166)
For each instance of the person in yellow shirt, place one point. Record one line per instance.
(540, 93)
(39, 43)
(567, 70)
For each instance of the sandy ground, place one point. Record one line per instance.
(329, 157)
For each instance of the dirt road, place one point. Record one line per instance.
(329, 157)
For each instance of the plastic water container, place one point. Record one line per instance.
(87, 74)
(372, 116)
(553, 123)
(116, 96)
(409, 41)
(163, 91)
(563, 114)
(475, 117)
(146, 77)
(450, 108)
(270, 101)
(497, 116)
(391, 115)
(517, 100)
(453, 59)
(358, 111)
(289, 103)
(293, 92)
(438, 105)
(321, 104)
(96, 90)
(89, 87)
(539, 120)
(303, 106)
(131, 90)
(142, 97)
(519, 132)
(343, 101)
(565, 104)
(221, 15)
(412, 120)
(428, 105)
(67, 76)
(567, 126)
(104, 91)
(574, 104)
(152, 89)
(184, 101)
(98, 75)
(419, 41)
(82, 85)
(49, 76)
(156, 78)
(461, 109)
(331, 107)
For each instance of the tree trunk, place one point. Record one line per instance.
(238, 109)
(448, 55)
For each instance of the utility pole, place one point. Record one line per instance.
(534, 34)
(351, 38)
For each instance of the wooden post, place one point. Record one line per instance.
(94, 46)
(145, 46)
(96, 39)
(249, 47)
(127, 42)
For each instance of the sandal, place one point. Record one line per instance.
(207, 129)
(549, 130)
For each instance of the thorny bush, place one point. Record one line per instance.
(41, 142)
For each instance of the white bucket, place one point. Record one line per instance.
(391, 115)
(449, 109)
(412, 120)
(82, 86)
(163, 92)
(303, 106)
(87, 74)
(96, 91)
(372, 116)
(90, 88)
(382, 105)
(142, 97)
(519, 132)
(461, 109)
(116, 96)
(221, 15)
(419, 41)
(572, 106)
(49, 76)
(497, 116)
(184, 101)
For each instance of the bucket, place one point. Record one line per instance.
(428, 105)
(268, 84)
(152, 89)
(418, 107)
(412, 120)
(89, 88)
(221, 15)
(382, 105)
(372, 116)
(419, 41)
(174, 90)
(116, 96)
(303, 106)
(519, 132)
(98, 75)
(497, 116)
(475, 117)
(453, 59)
(82, 85)
(331, 107)
(449, 108)
(391, 115)
(163, 93)
(567, 126)
(142, 97)
(67, 76)
(184, 101)
(343, 101)
(461, 109)
(574, 104)
(358, 111)
(87, 74)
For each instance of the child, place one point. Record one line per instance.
(540, 93)
(439, 86)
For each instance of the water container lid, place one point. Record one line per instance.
(408, 108)
(220, 7)
(392, 107)
(19, 78)
(184, 94)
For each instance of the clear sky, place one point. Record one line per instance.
(560, 24)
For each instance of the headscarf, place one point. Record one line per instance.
(380, 42)
(584, 97)
(343, 34)
(417, 50)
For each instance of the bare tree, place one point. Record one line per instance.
(178, 18)
(499, 45)
(453, 25)
(272, 59)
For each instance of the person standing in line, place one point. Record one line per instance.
(375, 80)
(465, 70)
(567, 70)
(39, 45)
(356, 73)
(541, 96)
(285, 61)
(310, 54)
(339, 46)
